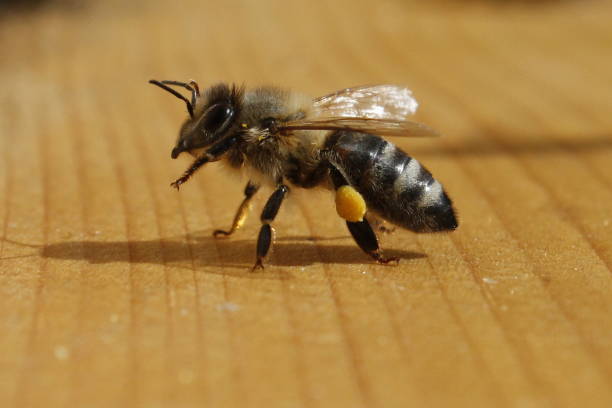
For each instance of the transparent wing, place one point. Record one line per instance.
(376, 109)
(381, 127)
(374, 102)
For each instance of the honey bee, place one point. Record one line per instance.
(290, 140)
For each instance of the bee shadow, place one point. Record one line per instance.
(203, 250)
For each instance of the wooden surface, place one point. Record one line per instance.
(114, 294)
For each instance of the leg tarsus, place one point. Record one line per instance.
(264, 242)
(241, 213)
(365, 237)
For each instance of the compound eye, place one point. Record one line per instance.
(218, 117)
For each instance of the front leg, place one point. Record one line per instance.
(243, 211)
(212, 154)
(264, 240)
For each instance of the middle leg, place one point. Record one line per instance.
(264, 240)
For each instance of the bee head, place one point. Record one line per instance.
(212, 115)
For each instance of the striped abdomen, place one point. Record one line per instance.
(394, 185)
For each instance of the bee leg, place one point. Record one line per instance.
(243, 211)
(379, 225)
(361, 231)
(386, 230)
(366, 239)
(264, 240)
(213, 153)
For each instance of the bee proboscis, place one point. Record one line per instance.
(289, 140)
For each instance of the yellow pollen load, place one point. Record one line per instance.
(350, 205)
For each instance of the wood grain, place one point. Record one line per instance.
(114, 294)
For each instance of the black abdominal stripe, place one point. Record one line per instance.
(394, 185)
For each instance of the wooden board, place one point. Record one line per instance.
(114, 294)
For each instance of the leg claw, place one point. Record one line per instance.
(258, 265)
(221, 234)
(388, 261)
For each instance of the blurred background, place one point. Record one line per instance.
(112, 292)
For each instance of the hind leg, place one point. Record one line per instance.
(361, 230)
(366, 239)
